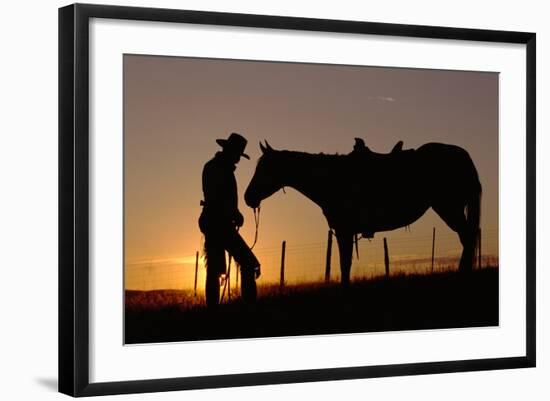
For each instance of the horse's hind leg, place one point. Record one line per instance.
(453, 215)
(345, 248)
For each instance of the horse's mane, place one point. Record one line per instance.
(321, 157)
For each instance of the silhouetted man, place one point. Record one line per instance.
(220, 219)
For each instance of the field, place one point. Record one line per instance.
(403, 302)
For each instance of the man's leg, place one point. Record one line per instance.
(215, 265)
(243, 255)
(248, 285)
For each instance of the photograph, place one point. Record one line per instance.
(271, 199)
(258, 198)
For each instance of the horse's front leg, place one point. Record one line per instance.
(345, 248)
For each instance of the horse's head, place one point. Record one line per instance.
(266, 180)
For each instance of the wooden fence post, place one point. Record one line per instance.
(329, 257)
(386, 257)
(196, 270)
(433, 249)
(237, 268)
(228, 278)
(283, 250)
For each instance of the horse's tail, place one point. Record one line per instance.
(473, 212)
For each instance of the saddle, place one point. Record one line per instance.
(367, 164)
(396, 154)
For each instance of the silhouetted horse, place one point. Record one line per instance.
(367, 192)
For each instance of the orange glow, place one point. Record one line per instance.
(175, 108)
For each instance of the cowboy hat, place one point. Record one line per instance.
(235, 143)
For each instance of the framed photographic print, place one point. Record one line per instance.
(250, 199)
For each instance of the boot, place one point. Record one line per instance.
(212, 290)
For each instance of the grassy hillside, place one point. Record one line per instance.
(406, 302)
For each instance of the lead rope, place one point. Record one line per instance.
(257, 225)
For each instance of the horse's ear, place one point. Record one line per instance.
(265, 148)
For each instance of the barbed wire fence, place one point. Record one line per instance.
(310, 262)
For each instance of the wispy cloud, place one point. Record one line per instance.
(382, 99)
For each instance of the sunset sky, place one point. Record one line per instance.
(175, 108)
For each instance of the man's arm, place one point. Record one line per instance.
(218, 194)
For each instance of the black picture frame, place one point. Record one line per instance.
(74, 198)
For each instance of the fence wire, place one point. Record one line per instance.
(306, 262)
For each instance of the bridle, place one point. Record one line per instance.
(257, 222)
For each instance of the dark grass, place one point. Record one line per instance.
(404, 302)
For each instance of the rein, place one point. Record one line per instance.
(226, 280)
